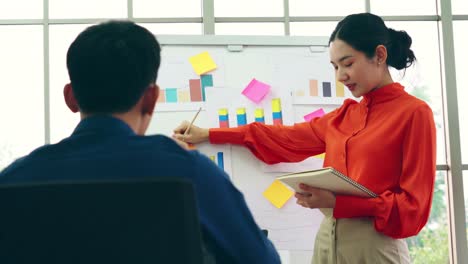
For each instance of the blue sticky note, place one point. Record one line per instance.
(171, 95)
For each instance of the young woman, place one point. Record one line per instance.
(386, 142)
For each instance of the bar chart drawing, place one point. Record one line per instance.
(276, 111)
(321, 92)
(218, 159)
(181, 88)
(241, 116)
(228, 109)
(219, 154)
(259, 115)
(223, 115)
(194, 93)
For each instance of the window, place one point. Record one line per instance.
(248, 8)
(87, 9)
(22, 91)
(163, 8)
(325, 8)
(461, 53)
(430, 246)
(403, 7)
(62, 120)
(312, 28)
(459, 7)
(465, 191)
(21, 9)
(424, 80)
(174, 28)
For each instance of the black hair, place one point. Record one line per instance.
(110, 66)
(365, 31)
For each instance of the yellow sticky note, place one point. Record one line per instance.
(202, 63)
(240, 111)
(278, 194)
(259, 113)
(320, 156)
(223, 111)
(276, 105)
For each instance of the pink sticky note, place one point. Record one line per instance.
(317, 113)
(256, 90)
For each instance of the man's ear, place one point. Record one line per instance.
(70, 99)
(149, 99)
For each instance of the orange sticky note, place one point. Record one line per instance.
(202, 63)
(278, 194)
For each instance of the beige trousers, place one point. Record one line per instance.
(355, 241)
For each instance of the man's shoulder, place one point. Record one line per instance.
(140, 153)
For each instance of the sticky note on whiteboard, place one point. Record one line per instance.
(278, 194)
(202, 63)
(317, 113)
(256, 90)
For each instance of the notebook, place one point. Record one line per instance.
(326, 178)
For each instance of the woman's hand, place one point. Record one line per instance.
(311, 197)
(194, 135)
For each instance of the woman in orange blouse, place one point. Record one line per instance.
(386, 142)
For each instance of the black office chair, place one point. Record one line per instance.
(137, 222)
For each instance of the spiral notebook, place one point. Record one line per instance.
(326, 178)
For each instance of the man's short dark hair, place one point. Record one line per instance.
(110, 66)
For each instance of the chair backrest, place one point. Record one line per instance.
(147, 221)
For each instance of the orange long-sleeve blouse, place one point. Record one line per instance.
(386, 142)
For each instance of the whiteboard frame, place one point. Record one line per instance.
(319, 44)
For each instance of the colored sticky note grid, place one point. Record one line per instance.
(339, 89)
(162, 96)
(313, 87)
(195, 90)
(278, 194)
(220, 156)
(223, 111)
(300, 93)
(223, 117)
(256, 90)
(184, 96)
(202, 63)
(259, 115)
(240, 111)
(316, 113)
(241, 117)
(276, 105)
(326, 89)
(206, 81)
(171, 95)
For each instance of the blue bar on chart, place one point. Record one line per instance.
(206, 81)
(326, 89)
(171, 95)
(241, 117)
(276, 109)
(220, 160)
(259, 115)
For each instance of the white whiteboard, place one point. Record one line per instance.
(288, 64)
